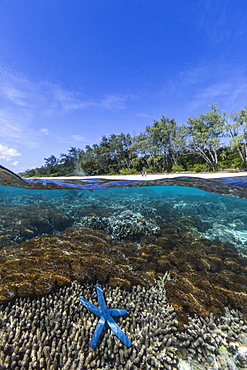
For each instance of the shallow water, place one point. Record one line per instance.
(195, 229)
(114, 205)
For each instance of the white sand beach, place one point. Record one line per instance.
(213, 175)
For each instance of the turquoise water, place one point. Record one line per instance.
(213, 216)
(189, 228)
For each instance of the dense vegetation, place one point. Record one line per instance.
(198, 145)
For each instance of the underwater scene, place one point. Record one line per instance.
(100, 274)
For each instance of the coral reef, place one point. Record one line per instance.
(105, 317)
(54, 331)
(129, 213)
(206, 276)
(173, 257)
(214, 343)
(126, 225)
(210, 216)
(41, 263)
(20, 223)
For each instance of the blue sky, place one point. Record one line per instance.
(73, 71)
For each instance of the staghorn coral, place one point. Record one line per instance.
(214, 342)
(106, 317)
(52, 332)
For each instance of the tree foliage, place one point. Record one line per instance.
(51, 161)
(204, 133)
(163, 146)
(236, 126)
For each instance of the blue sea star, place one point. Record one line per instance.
(106, 316)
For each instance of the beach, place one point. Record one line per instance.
(209, 175)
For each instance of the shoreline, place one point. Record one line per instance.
(213, 175)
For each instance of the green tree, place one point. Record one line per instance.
(204, 134)
(141, 147)
(123, 152)
(103, 155)
(236, 127)
(51, 161)
(112, 154)
(87, 161)
(70, 163)
(164, 141)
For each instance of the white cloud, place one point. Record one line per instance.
(15, 163)
(15, 95)
(9, 125)
(78, 138)
(143, 115)
(209, 82)
(211, 93)
(24, 104)
(69, 140)
(47, 97)
(113, 102)
(230, 94)
(44, 131)
(7, 153)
